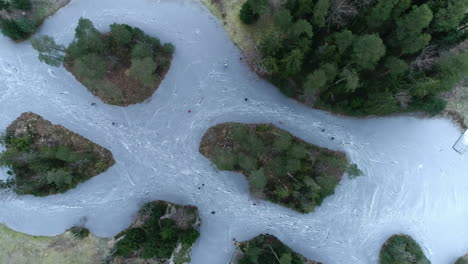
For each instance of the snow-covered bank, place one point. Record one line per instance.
(414, 181)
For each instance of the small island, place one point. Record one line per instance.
(267, 249)
(48, 159)
(161, 231)
(279, 167)
(19, 19)
(121, 67)
(402, 249)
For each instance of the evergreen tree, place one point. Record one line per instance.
(396, 67)
(143, 70)
(320, 12)
(409, 35)
(17, 29)
(301, 27)
(448, 18)
(88, 38)
(343, 40)
(49, 52)
(247, 14)
(367, 50)
(90, 66)
(121, 35)
(292, 63)
(22, 4)
(283, 19)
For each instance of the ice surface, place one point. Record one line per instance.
(414, 181)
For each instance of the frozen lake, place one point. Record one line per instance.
(414, 181)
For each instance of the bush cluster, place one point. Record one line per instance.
(366, 57)
(267, 249)
(121, 67)
(281, 167)
(157, 238)
(43, 170)
(17, 29)
(79, 232)
(402, 249)
(252, 10)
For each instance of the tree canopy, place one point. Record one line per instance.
(387, 55)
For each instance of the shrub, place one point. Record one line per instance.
(282, 142)
(189, 237)
(141, 51)
(225, 159)
(257, 180)
(132, 240)
(120, 34)
(353, 171)
(431, 104)
(402, 249)
(17, 29)
(79, 232)
(247, 15)
(143, 70)
(167, 48)
(91, 66)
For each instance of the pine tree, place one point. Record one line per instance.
(50, 52)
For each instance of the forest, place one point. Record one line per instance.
(363, 57)
(122, 67)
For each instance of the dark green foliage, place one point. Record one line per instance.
(157, 237)
(278, 166)
(402, 249)
(121, 35)
(44, 170)
(430, 104)
(22, 4)
(79, 232)
(267, 249)
(375, 56)
(17, 30)
(252, 10)
(4, 4)
(367, 51)
(247, 15)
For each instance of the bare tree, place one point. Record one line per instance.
(426, 60)
(341, 11)
(361, 4)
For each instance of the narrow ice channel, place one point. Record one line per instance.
(414, 181)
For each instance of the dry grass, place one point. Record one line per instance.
(19, 248)
(457, 105)
(245, 37)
